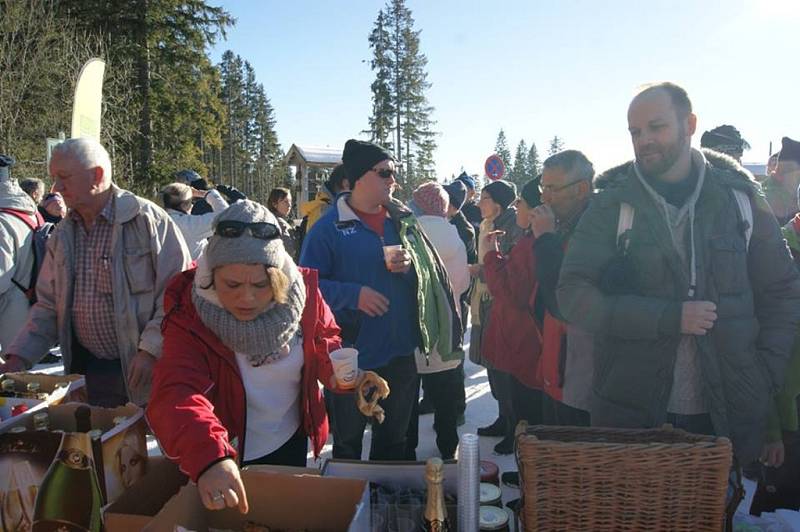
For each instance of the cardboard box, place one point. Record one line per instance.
(279, 500)
(137, 506)
(124, 446)
(76, 389)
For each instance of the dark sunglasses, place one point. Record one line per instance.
(235, 229)
(385, 173)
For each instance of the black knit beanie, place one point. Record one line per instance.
(457, 192)
(360, 156)
(531, 194)
(790, 150)
(502, 192)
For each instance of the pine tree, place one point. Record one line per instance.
(401, 114)
(519, 174)
(501, 149)
(175, 107)
(556, 145)
(380, 121)
(534, 165)
(251, 158)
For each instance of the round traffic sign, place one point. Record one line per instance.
(494, 167)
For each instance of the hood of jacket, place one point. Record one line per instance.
(727, 172)
(13, 197)
(323, 199)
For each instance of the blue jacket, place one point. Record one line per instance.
(349, 255)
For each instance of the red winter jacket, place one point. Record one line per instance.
(512, 341)
(198, 407)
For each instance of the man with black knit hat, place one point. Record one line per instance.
(725, 139)
(470, 208)
(781, 187)
(385, 309)
(457, 193)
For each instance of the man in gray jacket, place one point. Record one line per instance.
(16, 253)
(101, 286)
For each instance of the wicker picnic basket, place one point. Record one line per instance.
(599, 479)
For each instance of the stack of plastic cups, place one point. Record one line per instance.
(469, 481)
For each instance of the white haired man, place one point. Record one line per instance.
(101, 286)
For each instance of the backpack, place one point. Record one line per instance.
(41, 232)
(627, 213)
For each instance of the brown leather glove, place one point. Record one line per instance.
(371, 381)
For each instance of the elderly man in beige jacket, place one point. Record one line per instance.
(100, 290)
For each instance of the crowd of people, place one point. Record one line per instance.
(661, 291)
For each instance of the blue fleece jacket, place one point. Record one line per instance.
(349, 255)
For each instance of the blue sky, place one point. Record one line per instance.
(534, 68)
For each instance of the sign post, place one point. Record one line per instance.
(494, 167)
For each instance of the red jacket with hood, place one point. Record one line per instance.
(198, 407)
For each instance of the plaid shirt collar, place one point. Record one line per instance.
(107, 213)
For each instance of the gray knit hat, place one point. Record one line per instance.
(245, 249)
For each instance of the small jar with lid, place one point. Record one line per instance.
(493, 519)
(491, 495)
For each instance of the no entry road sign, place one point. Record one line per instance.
(494, 167)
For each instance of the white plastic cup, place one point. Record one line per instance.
(389, 253)
(345, 367)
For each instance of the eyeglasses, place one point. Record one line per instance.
(235, 229)
(553, 188)
(385, 173)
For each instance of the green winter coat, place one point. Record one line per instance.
(439, 324)
(744, 356)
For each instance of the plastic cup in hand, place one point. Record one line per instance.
(345, 367)
(389, 254)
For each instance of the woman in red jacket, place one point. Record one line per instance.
(513, 337)
(246, 338)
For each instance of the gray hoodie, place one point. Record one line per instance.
(16, 259)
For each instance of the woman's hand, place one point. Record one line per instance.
(475, 270)
(221, 486)
(490, 240)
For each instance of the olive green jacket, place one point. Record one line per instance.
(637, 330)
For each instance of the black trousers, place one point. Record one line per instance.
(500, 386)
(557, 413)
(442, 389)
(526, 403)
(105, 383)
(389, 437)
(291, 453)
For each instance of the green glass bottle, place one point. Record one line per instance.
(69, 498)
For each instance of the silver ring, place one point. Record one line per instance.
(218, 497)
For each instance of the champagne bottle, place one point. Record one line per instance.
(435, 517)
(8, 388)
(83, 419)
(69, 498)
(97, 452)
(83, 423)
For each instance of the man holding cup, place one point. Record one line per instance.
(368, 251)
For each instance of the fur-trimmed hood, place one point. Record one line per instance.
(728, 172)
